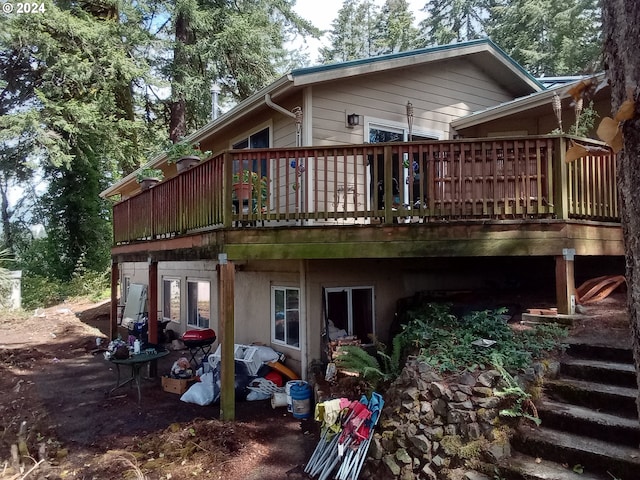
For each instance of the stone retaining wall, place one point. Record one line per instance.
(439, 428)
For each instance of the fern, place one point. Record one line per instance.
(521, 400)
(357, 360)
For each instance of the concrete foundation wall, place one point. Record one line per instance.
(392, 280)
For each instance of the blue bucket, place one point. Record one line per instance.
(300, 399)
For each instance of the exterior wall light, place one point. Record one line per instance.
(353, 119)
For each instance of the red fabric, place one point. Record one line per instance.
(275, 377)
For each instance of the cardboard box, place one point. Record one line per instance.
(176, 385)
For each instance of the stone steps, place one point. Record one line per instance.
(598, 396)
(595, 456)
(589, 418)
(589, 422)
(524, 467)
(601, 350)
(600, 371)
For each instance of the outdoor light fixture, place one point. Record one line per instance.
(353, 119)
(410, 118)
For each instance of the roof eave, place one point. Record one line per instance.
(513, 107)
(243, 108)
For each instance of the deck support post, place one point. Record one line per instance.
(565, 282)
(152, 314)
(113, 320)
(226, 287)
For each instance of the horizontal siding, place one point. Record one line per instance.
(284, 131)
(439, 93)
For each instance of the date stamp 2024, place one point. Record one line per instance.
(23, 7)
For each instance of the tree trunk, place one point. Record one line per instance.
(621, 25)
(177, 122)
(5, 214)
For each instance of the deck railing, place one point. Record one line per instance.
(512, 178)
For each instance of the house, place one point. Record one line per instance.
(372, 180)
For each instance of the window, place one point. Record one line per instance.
(171, 300)
(381, 131)
(257, 140)
(198, 303)
(285, 316)
(379, 134)
(351, 309)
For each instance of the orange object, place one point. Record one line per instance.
(284, 370)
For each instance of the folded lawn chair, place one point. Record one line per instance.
(349, 444)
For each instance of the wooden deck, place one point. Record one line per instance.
(507, 196)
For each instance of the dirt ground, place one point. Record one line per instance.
(52, 383)
(56, 389)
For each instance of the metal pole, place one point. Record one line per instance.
(215, 90)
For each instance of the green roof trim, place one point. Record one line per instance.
(409, 53)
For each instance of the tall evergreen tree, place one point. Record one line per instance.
(80, 96)
(453, 21)
(549, 37)
(395, 30)
(353, 32)
(238, 45)
(74, 118)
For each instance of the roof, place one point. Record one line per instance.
(522, 104)
(549, 82)
(483, 53)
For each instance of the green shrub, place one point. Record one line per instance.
(445, 341)
(40, 292)
(91, 284)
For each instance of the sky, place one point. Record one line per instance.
(322, 13)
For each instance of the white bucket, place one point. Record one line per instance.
(287, 390)
(279, 399)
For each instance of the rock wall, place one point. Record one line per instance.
(439, 428)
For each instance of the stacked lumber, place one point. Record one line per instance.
(336, 345)
(598, 288)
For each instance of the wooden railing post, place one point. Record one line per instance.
(227, 180)
(388, 185)
(560, 180)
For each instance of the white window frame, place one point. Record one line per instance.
(399, 127)
(196, 281)
(350, 289)
(172, 279)
(274, 340)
